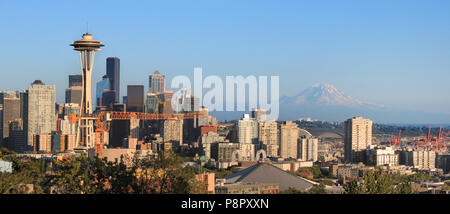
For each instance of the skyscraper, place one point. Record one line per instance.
(113, 74)
(157, 83)
(358, 136)
(17, 136)
(289, 132)
(173, 131)
(75, 90)
(100, 87)
(308, 149)
(75, 80)
(40, 110)
(269, 138)
(135, 97)
(120, 129)
(9, 111)
(247, 130)
(151, 105)
(73, 94)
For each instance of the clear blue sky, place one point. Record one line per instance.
(390, 52)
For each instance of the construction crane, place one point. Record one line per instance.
(105, 116)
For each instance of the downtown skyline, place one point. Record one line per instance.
(396, 56)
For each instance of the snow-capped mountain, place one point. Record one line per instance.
(324, 94)
(326, 102)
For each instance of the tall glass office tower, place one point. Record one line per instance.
(103, 85)
(113, 73)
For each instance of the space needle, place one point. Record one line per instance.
(87, 47)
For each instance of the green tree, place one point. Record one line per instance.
(291, 190)
(14, 183)
(71, 176)
(26, 177)
(316, 189)
(377, 183)
(163, 174)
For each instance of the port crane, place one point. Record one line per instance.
(437, 143)
(396, 141)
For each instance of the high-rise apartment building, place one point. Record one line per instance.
(207, 139)
(157, 83)
(260, 114)
(308, 149)
(357, 137)
(269, 138)
(191, 104)
(135, 97)
(225, 152)
(191, 126)
(173, 131)
(247, 151)
(167, 102)
(152, 102)
(247, 130)
(289, 133)
(65, 125)
(421, 159)
(39, 110)
(207, 120)
(113, 74)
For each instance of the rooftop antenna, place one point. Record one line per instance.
(87, 27)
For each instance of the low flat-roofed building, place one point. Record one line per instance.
(382, 157)
(348, 171)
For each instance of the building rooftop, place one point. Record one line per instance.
(267, 173)
(37, 82)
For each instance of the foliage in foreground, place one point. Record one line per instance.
(377, 183)
(161, 173)
(317, 189)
